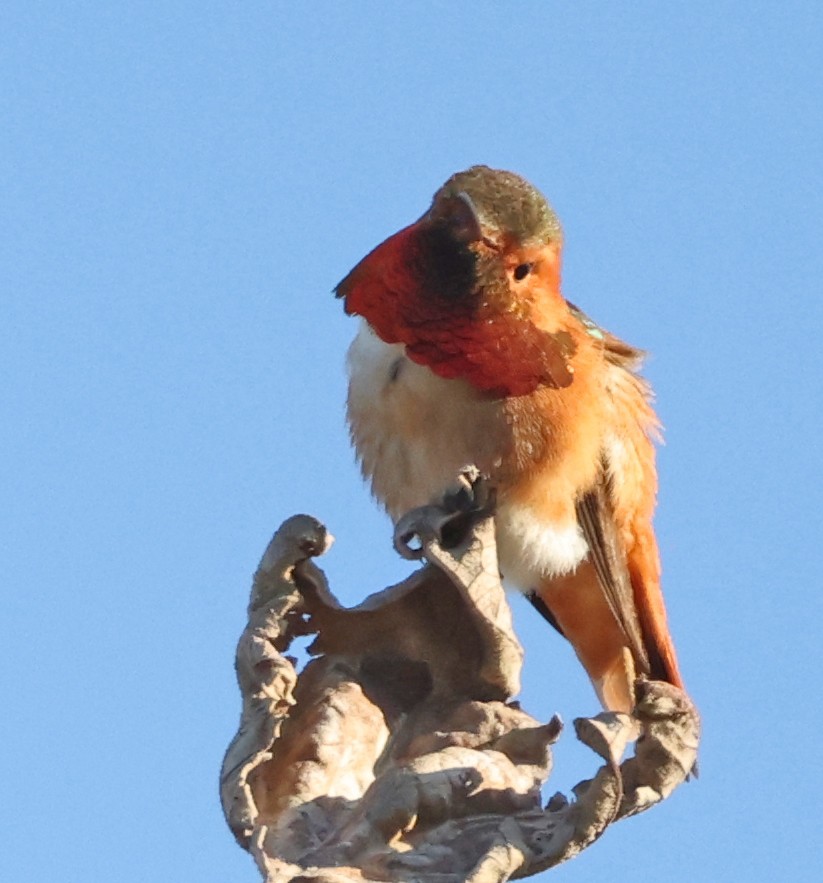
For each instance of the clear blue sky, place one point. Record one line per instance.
(181, 186)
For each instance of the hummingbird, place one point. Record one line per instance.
(468, 353)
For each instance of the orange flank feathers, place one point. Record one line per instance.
(470, 354)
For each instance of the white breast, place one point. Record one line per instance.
(414, 431)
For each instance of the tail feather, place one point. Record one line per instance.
(581, 612)
(644, 570)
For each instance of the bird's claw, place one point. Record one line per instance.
(471, 494)
(471, 499)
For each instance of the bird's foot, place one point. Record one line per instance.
(469, 500)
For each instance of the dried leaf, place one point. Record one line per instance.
(398, 753)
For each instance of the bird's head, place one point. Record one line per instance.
(473, 287)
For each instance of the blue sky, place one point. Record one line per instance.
(181, 186)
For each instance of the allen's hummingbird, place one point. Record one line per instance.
(470, 354)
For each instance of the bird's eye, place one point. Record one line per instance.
(522, 270)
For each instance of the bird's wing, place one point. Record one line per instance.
(616, 516)
(630, 491)
(596, 519)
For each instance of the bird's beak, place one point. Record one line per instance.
(459, 215)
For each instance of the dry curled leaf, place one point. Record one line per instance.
(397, 754)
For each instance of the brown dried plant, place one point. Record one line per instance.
(397, 753)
